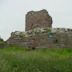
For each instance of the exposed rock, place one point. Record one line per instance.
(39, 19)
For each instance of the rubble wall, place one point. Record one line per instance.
(44, 40)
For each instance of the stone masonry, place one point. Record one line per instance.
(39, 19)
(40, 34)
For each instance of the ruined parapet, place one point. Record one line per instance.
(39, 19)
(61, 30)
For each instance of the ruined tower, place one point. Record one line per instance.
(39, 19)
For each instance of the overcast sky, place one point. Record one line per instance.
(12, 14)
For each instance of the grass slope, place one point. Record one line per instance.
(41, 60)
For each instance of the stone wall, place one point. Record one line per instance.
(44, 40)
(39, 19)
(40, 34)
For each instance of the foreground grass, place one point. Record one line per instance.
(15, 59)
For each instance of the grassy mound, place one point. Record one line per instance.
(15, 59)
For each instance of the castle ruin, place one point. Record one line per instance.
(40, 34)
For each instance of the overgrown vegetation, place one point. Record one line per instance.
(16, 59)
(32, 32)
(2, 43)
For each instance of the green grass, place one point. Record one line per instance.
(15, 59)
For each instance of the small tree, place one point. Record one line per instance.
(1, 40)
(2, 43)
